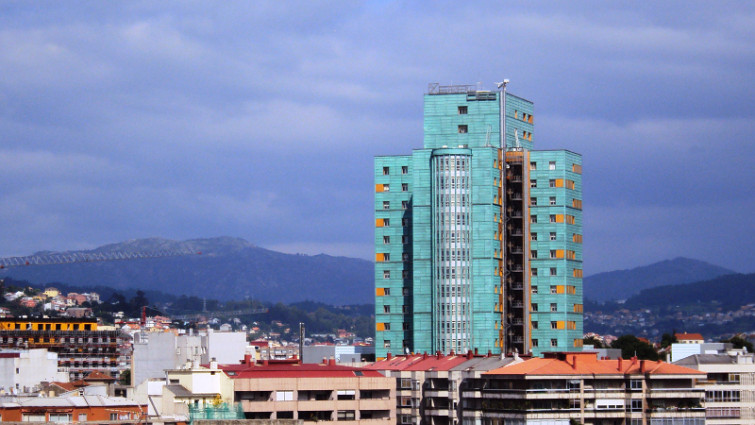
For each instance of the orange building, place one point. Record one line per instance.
(72, 409)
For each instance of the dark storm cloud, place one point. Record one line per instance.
(132, 119)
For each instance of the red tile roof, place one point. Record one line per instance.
(296, 370)
(419, 362)
(99, 376)
(685, 336)
(583, 363)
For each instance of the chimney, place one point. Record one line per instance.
(620, 368)
(324, 360)
(574, 362)
(490, 353)
(332, 361)
(389, 355)
(424, 355)
(214, 364)
(247, 359)
(475, 351)
(516, 354)
(642, 366)
(452, 353)
(469, 354)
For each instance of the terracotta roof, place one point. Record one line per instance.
(424, 362)
(289, 370)
(99, 376)
(587, 363)
(685, 336)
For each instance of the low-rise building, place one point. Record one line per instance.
(729, 389)
(564, 388)
(323, 392)
(22, 371)
(71, 409)
(430, 388)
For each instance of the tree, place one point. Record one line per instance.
(668, 339)
(740, 342)
(125, 378)
(592, 340)
(631, 346)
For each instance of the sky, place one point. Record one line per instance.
(260, 120)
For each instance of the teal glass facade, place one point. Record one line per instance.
(453, 234)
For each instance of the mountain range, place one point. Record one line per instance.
(233, 268)
(622, 284)
(227, 269)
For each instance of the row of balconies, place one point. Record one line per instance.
(370, 404)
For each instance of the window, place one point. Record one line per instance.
(113, 416)
(534, 307)
(346, 415)
(552, 165)
(553, 236)
(554, 271)
(552, 200)
(533, 183)
(534, 273)
(554, 342)
(534, 324)
(405, 326)
(387, 326)
(404, 222)
(404, 170)
(551, 183)
(60, 417)
(554, 325)
(404, 205)
(405, 274)
(575, 403)
(386, 171)
(386, 343)
(386, 309)
(405, 309)
(636, 405)
(404, 187)
(283, 396)
(533, 236)
(463, 110)
(386, 188)
(386, 257)
(635, 384)
(554, 290)
(463, 129)
(533, 254)
(533, 202)
(386, 205)
(405, 292)
(534, 343)
(405, 239)
(554, 307)
(386, 222)
(553, 253)
(405, 256)
(533, 165)
(534, 289)
(533, 219)
(552, 218)
(386, 274)
(386, 239)
(82, 417)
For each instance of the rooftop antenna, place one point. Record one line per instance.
(502, 87)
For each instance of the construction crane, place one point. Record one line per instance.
(87, 257)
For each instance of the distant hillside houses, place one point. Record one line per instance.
(51, 299)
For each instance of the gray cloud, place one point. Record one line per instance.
(182, 120)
